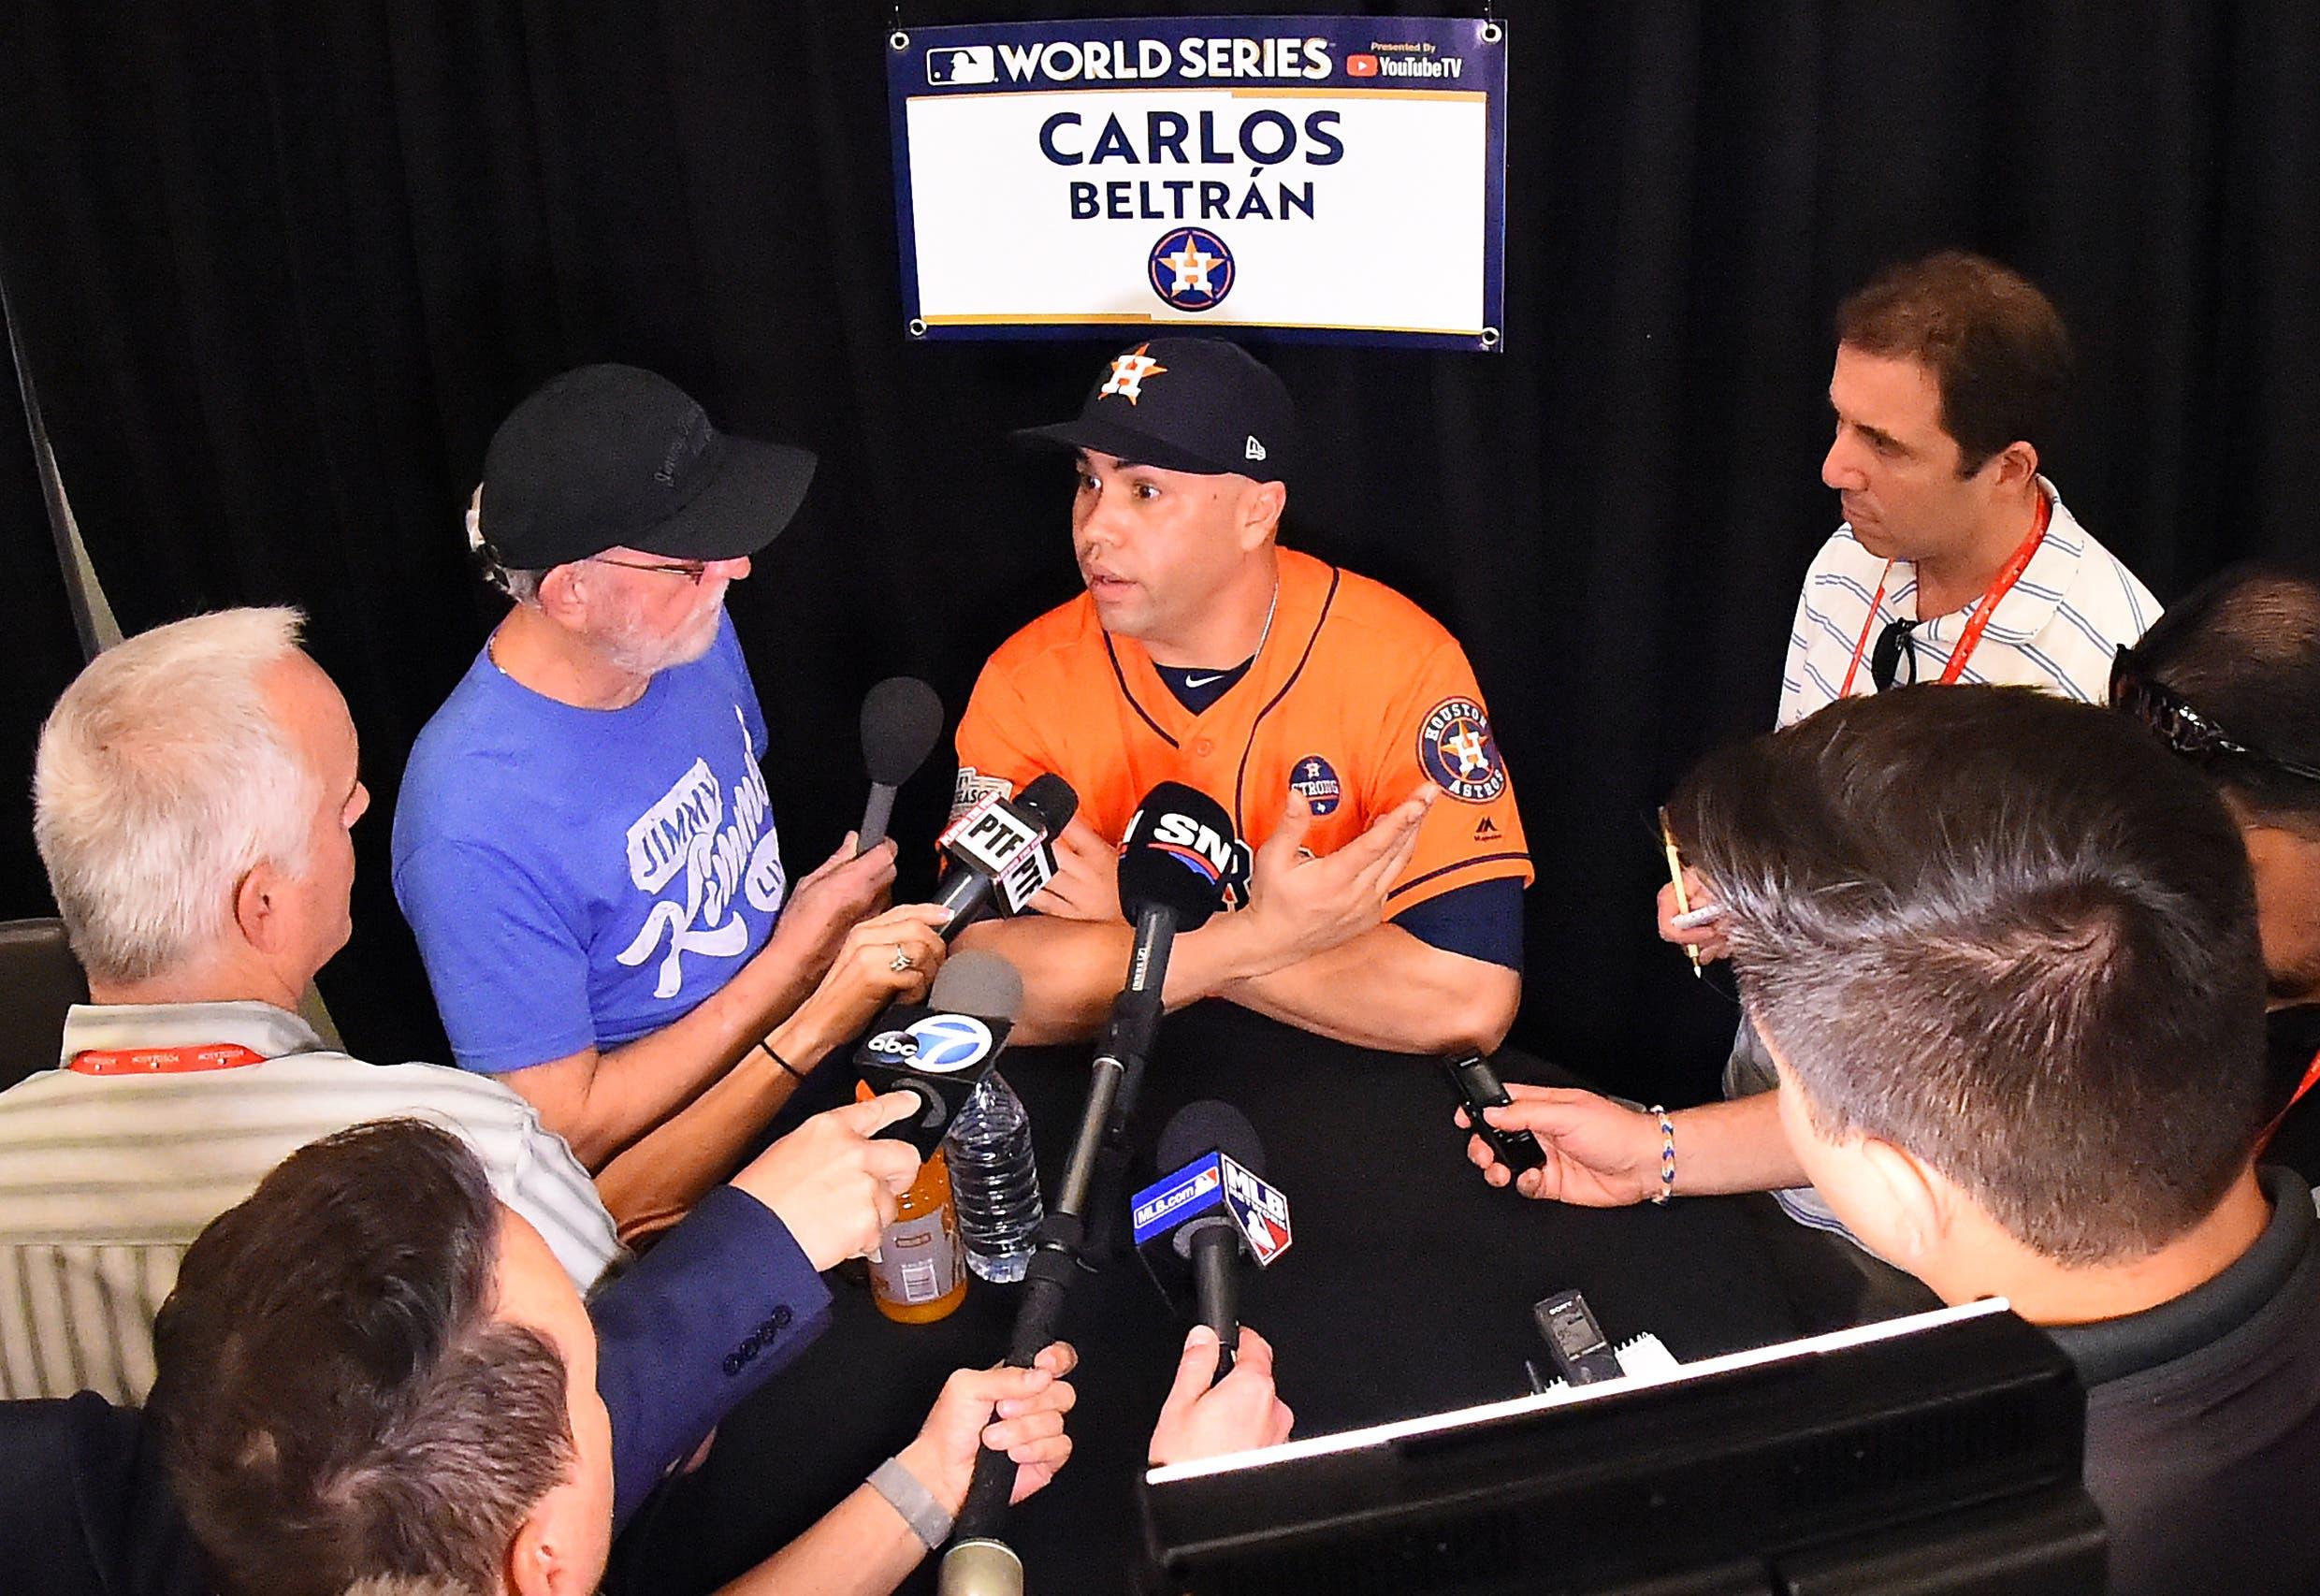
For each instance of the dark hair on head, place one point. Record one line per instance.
(2008, 933)
(2244, 651)
(1995, 344)
(336, 1402)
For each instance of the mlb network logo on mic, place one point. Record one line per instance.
(1208, 1185)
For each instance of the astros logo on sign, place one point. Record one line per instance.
(1192, 270)
(1455, 748)
(1128, 373)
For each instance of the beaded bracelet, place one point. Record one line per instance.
(1667, 1155)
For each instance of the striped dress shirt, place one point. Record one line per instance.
(105, 1180)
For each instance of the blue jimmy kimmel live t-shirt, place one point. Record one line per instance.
(582, 878)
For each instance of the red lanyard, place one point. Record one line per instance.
(2003, 583)
(163, 1061)
(2312, 1077)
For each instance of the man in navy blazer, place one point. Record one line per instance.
(370, 1368)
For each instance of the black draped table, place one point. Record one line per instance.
(1407, 1290)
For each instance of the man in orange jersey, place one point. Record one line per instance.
(1380, 898)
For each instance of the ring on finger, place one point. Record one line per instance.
(902, 960)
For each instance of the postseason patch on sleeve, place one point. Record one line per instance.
(972, 788)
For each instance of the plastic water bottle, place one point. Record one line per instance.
(996, 1181)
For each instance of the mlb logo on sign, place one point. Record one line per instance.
(1361, 66)
(1261, 1213)
(961, 64)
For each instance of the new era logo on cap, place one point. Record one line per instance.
(1255, 450)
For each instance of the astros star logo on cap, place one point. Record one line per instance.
(1128, 373)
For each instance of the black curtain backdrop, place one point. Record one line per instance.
(282, 267)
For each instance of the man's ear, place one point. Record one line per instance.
(537, 1564)
(259, 899)
(1260, 512)
(564, 591)
(2014, 466)
(1913, 1201)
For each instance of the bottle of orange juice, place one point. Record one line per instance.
(920, 1274)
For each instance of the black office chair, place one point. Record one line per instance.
(39, 979)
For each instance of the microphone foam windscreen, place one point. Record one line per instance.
(902, 720)
(1209, 1125)
(1051, 798)
(974, 982)
(1179, 845)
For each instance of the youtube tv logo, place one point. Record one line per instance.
(1361, 66)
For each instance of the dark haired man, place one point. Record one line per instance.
(1957, 562)
(374, 1377)
(1337, 723)
(2230, 677)
(2004, 953)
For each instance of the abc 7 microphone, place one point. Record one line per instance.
(942, 1049)
(1198, 1224)
(998, 853)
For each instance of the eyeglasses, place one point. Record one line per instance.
(691, 570)
(2182, 728)
(1892, 647)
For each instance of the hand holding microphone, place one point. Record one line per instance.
(997, 854)
(1205, 1416)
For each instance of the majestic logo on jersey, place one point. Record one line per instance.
(1315, 778)
(1486, 830)
(1455, 748)
(1192, 270)
(1128, 373)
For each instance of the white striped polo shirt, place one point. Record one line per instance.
(105, 1179)
(2056, 629)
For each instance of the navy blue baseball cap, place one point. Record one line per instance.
(1184, 404)
(608, 456)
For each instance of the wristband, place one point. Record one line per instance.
(767, 1049)
(1667, 1155)
(893, 1480)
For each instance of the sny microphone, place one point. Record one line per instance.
(1172, 869)
(902, 718)
(1213, 1211)
(998, 851)
(943, 1048)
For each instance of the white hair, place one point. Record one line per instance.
(162, 780)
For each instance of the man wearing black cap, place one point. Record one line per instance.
(1337, 723)
(584, 843)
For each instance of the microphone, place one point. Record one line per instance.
(942, 1049)
(1172, 867)
(1213, 1212)
(1172, 864)
(998, 851)
(902, 718)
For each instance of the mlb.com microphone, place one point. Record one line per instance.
(1211, 1211)
(1172, 865)
(901, 719)
(998, 851)
(942, 1049)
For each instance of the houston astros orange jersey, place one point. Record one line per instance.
(1355, 696)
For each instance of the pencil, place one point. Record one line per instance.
(1683, 899)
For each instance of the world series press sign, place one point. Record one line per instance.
(1328, 177)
